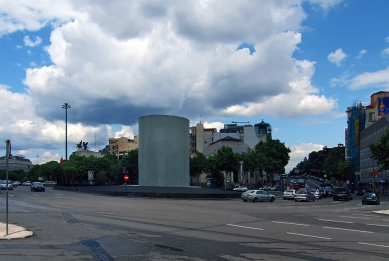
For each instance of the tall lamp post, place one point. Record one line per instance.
(66, 106)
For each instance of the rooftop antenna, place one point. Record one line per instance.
(200, 118)
(95, 141)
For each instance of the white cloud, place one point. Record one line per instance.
(29, 42)
(370, 79)
(337, 57)
(361, 53)
(299, 152)
(326, 4)
(387, 39)
(116, 61)
(385, 52)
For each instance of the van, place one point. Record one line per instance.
(49, 182)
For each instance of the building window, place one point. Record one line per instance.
(371, 116)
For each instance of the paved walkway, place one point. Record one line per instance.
(14, 231)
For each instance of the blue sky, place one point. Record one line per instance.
(117, 61)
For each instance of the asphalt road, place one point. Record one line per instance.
(76, 226)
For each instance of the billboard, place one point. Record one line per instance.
(383, 106)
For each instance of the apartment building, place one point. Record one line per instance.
(121, 146)
(16, 163)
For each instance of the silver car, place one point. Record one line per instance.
(304, 195)
(288, 194)
(257, 195)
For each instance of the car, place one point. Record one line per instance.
(328, 191)
(257, 195)
(360, 192)
(304, 195)
(341, 193)
(317, 193)
(323, 193)
(49, 182)
(371, 198)
(288, 194)
(37, 186)
(26, 183)
(3, 185)
(240, 188)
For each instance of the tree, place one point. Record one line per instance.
(198, 165)
(380, 151)
(130, 162)
(274, 154)
(335, 164)
(225, 160)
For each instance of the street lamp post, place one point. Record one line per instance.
(241, 172)
(66, 106)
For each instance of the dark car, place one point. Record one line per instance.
(37, 186)
(371, 198)
(341, 193)
(360, 192)
(323, 193)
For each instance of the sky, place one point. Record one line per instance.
(296, 64)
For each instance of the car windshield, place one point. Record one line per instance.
(369, 194)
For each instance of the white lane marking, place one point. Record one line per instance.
(377, 225)
(371, 244)
(363, 215)
(288, 223)
(308, 235)
(354, 217)
(362, 231)
(232, 225)
(329, 220)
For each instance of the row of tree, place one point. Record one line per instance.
(271, 156)
(333, 162)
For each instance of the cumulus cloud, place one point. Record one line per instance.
(337, 57)
(116, 61)
(29, 42)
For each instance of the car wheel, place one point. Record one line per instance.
(244, 200)
(271, 199)
(255, 199)
(295, 200)
(283, 198)
(313, 199)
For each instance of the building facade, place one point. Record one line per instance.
(16, 163)
(121, 146)
(366, 125)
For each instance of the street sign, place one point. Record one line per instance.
(126, 177)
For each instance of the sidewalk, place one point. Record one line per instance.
(14, 232)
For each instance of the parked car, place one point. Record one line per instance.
(49, 182)
(288, 194)
(341, 193)
(3, 185)
(371, 198)
(360, 192)
(26, 183)
(257, 195)
(323, 193)
(304, 195)
(317, 193)
(240, 188)
(328, 191)
(37, 186)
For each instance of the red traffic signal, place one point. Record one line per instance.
(126, 177)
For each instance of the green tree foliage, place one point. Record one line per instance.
(198, 165)
(274, 156)
(380, 151)
(225, 160)
(130, 162)
(335, 165)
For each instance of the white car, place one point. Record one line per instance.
(288, 194)
(240, 188)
